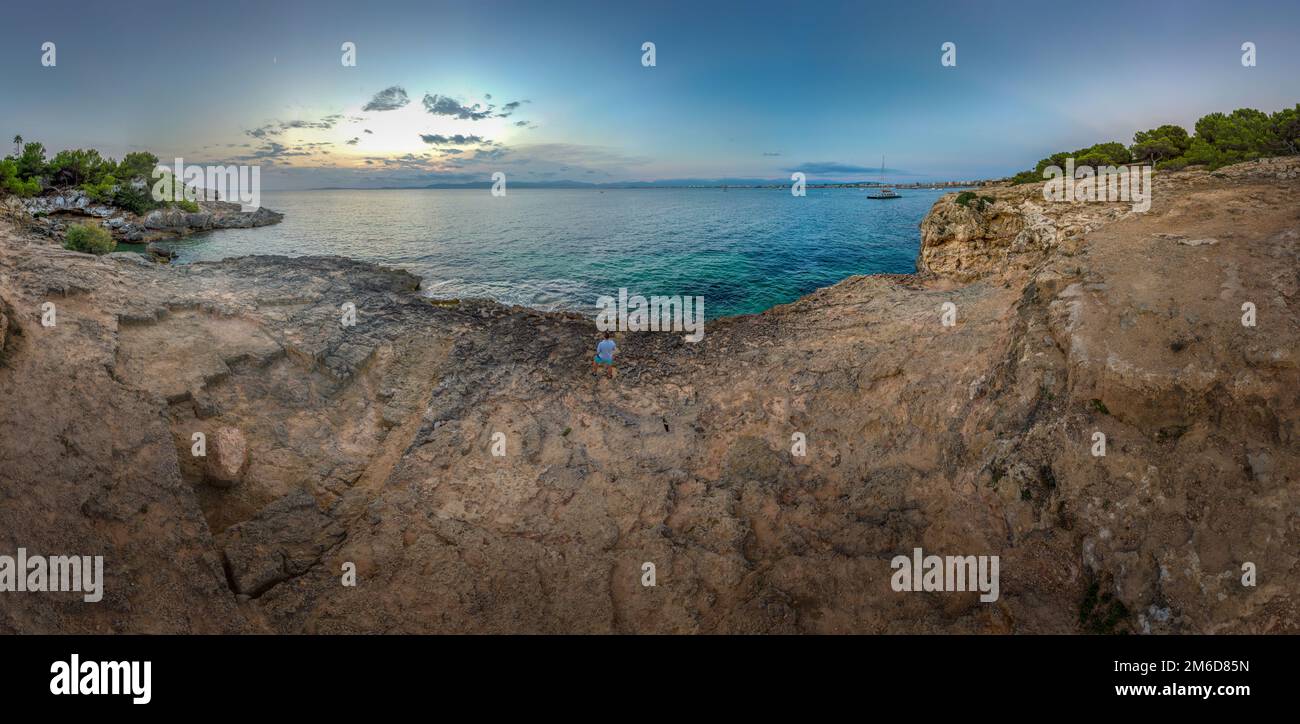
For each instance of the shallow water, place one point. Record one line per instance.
(743, 250)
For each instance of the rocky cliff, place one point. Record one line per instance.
(371, 446)
(50, 213)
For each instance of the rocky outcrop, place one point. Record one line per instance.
(212, 215)
(768, 473)
(49, 213)
(1005, 228)
(70, 202)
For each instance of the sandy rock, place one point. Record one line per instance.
(227, 457)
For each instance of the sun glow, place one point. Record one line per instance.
(397, 133)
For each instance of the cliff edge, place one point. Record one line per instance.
(371, 445)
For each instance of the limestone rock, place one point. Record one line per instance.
(285, 539)
(227, 457)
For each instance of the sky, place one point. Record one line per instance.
(450, 92)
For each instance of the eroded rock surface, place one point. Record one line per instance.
(371, 444)
(52, 212)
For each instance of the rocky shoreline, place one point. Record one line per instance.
(371, 445)
(50, 214)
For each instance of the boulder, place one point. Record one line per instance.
(227, 458)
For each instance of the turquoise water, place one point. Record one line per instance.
(743, 250)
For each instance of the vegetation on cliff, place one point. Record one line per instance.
(125, 184)
(1220, 140)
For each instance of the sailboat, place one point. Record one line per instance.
(882, 191)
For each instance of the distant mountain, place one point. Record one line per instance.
(566, 184)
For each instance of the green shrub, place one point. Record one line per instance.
(137, 166)
(89, 238)
(1204, 153)
(1103, 154)
(27, 188)
(1026, 177)
(170, 189)
(101, 192)
(965, 198)
(188, 205)
(11, 182)
(136, 200)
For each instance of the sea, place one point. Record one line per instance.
(742, 250)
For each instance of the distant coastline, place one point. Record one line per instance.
(682, 184)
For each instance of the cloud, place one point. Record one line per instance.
(264, 131)
(278, 127)
(494, 154)
(270, 150)
(824, 167)
(508, 109)
(456, 140)
(446, 106)
(388, 99)
(407, 162)
(367, 130)
(354, 141)
(323, 124)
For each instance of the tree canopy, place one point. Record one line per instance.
(125, 184)
(1220, 139)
